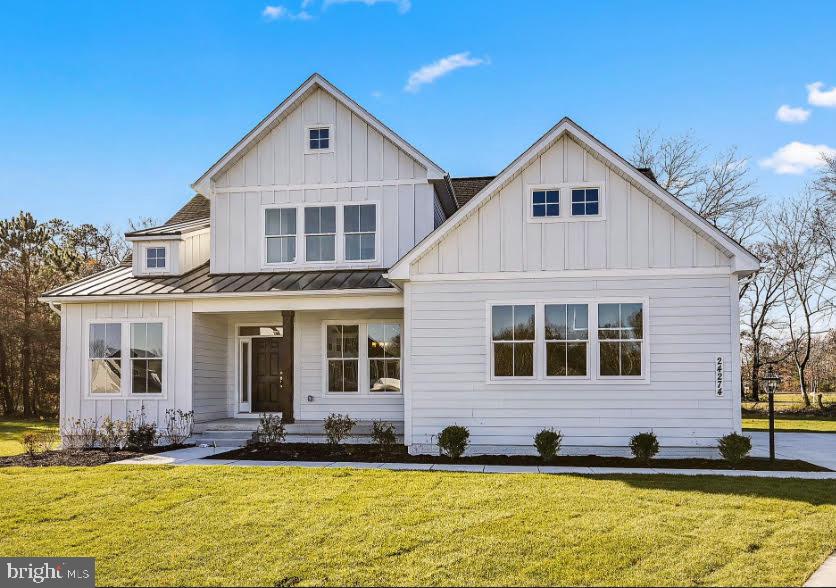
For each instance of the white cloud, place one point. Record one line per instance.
(282, 13)
(431, 72)
(403, 5)
(377, 94)
(797, 158)
(818, 97)
(792, 114)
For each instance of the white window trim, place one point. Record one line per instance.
(363, 380)
(593, 363)
(125, 383)
(264, 262)
(565, 189)
(339, 245)
(330, 127)
(156, 270)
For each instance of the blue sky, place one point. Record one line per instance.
(109, 110)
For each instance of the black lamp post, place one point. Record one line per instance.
(770, 381)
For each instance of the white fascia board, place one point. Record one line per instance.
(203, 183)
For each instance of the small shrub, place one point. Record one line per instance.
(178, 426)
(338, 427)
(142, 435)
(644, 446)
(47, 439)
(79, 434)
(113, 434)
(383, 435)
(734, 447)
(548, 443)
(271, 429)
(453, 440)
(30, 444)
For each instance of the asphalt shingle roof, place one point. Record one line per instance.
(466, 188)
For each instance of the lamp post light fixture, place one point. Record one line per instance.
(770, 381)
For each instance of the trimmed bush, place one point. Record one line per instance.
(79, 434)
(644, 446)
(178, 426)
(338, 427)
(453, 440)
(734, 448)
(271, 429)
(142, 435)
(548, 443)
(113, 434)
(30, 444)
(383, 435)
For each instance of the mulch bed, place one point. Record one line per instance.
(85, 457)
(398, 454)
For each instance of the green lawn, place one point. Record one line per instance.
(12, 430)
(791, 423)
(224, 525)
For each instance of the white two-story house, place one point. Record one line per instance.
(325, 265)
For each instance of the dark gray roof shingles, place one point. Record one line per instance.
(466, 188)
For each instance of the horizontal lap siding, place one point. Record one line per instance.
(688, 322)
(76, 403)
(210, 368)
(310, 375)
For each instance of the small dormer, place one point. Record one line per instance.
(170, 250)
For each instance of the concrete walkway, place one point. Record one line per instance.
(825, 575)
(817, 448)
(197, 456)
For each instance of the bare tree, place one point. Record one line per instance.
(722, 191)
(807, 289)
(825, 183)
(760, 301)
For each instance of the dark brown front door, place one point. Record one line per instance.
(272, 380)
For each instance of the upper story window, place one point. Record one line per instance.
(280, 232)
(359, 226)
(620, 335)
(512, 328)
(155, 258)
(105, 356)
(545, 203)
(319, 139)
(320, 233)
(585, 202)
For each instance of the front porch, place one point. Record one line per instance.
(236, 432)
(301, 363)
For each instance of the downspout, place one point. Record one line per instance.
(53, 309)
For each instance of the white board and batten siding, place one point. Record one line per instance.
(77, 402)
(363, 167)
(183, 254)
(639, 251)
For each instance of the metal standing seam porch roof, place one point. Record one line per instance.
(119, 281)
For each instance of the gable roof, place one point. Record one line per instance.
(743, 260)
(195, 209)
(466, 188)
(192, 216)
(434, 172)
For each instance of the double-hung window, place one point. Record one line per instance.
(384, 349)
(359, 226)
(512, 333)
(620, 335)
(585, 202)
(105, 358)
(320, 233)
(146, 358)
(280, 232)
(155, 258)
(566, 336)
(342, 352)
